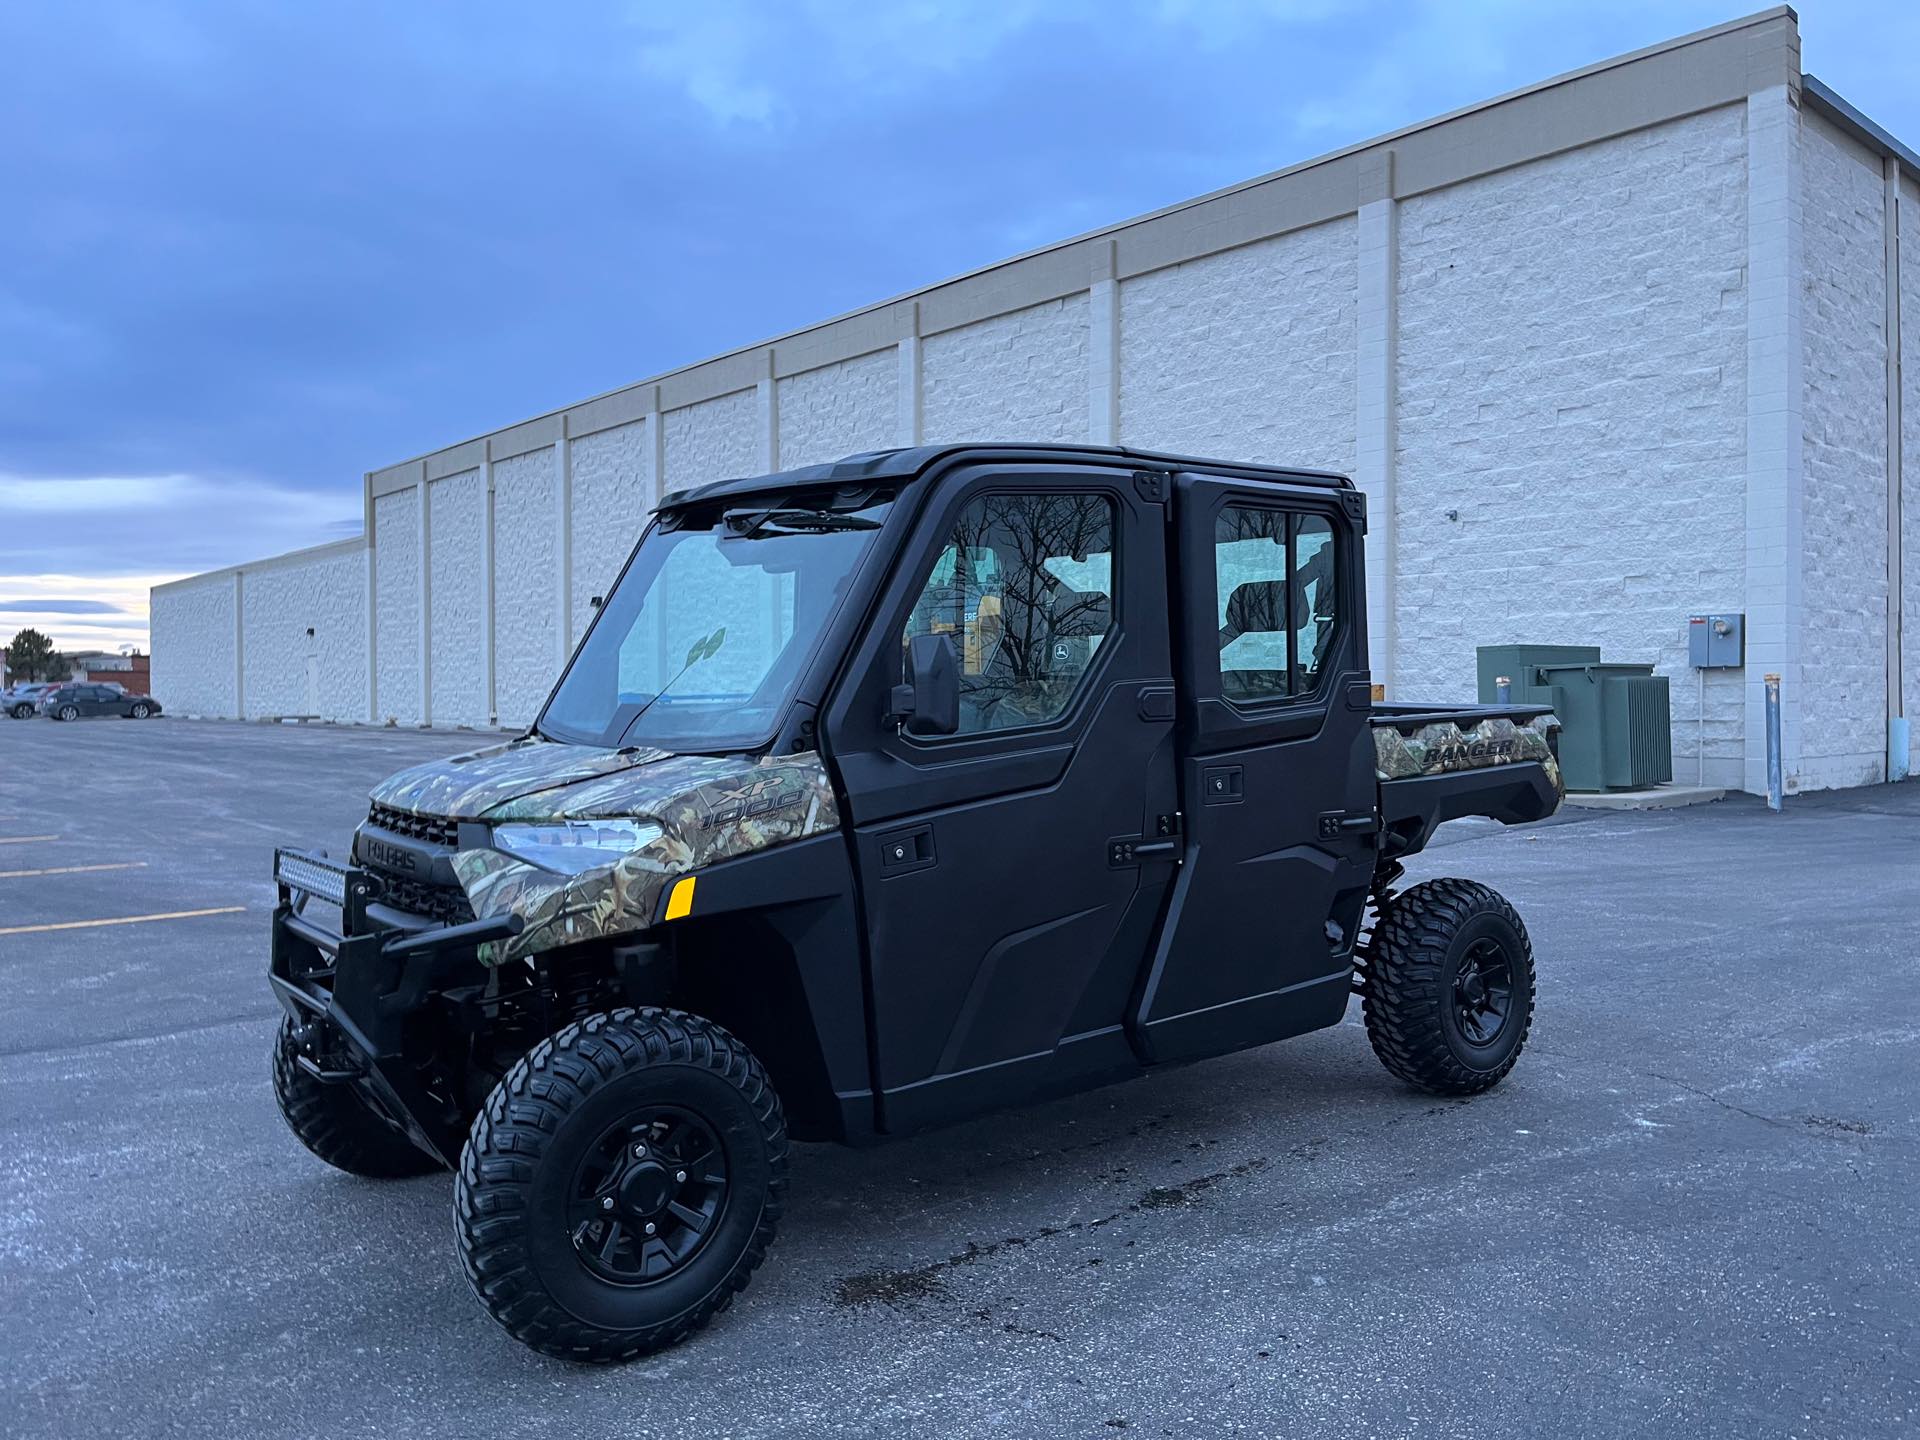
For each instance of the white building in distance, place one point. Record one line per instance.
(1608, 352)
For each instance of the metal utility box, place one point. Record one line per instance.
(1519, 662)
(1716, 642)
(1616, 727)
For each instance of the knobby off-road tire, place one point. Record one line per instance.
(584, 1168)
(334, 1123)
(1440, 956)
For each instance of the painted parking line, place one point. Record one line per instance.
(72, 869)
(120, 920)
(25, 839)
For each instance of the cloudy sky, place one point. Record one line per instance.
(251, 250)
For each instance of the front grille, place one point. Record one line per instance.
(448, 906)
(445, 903)
(415, 827)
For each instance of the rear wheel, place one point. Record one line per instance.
(332, 1121)
(621, 1184)
(1448, 995)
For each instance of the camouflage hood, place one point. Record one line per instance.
(467, 787)
(709, 808)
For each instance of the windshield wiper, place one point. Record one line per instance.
(746, 524)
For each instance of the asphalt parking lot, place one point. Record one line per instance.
(1690, 1211)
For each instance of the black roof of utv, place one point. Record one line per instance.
(921, 461)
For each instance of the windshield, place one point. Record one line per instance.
(701, 644)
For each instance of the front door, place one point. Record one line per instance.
(1277, 780)
(1013, 872)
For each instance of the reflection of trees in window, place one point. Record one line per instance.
(1275, 572)
(1025, 634)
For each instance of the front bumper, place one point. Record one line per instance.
(350, 989)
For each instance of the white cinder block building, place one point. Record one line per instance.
(1605, 353)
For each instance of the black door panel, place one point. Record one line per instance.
(987, 955)
(1022, 997)
(1005, 945)
(880, 787)
(1258, 938)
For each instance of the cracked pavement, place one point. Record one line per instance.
(1688, 1212)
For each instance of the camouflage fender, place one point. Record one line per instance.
(1443, 745)
(708, 808)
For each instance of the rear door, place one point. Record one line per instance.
(1276, 770)
(1012, 873)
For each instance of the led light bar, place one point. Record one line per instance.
(311, 873)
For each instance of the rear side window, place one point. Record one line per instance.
(1024, 586)
(1275, 572)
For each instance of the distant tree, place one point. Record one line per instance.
(31, 656)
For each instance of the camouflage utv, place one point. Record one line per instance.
(878, 795)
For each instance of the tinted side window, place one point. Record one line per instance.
(1277, 601)
(1024, 586)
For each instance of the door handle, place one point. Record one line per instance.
(1336, 823)
(1128, 851)
(904, 851)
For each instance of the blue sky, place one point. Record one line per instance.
(252, 250)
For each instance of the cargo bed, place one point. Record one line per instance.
(1436, 763)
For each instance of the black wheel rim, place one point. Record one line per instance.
(647, 1196)
(1483, 991)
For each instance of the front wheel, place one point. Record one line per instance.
(621, 1184)
(69, 712)
(1448, 995)
(21, 712)
(335, 1123)
(140, 712)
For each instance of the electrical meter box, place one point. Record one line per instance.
(1716, 642)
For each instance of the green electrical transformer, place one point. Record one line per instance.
(1616, 728)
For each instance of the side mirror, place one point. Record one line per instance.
(930, 703)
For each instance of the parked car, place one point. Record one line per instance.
(77, 700)
(21, 700)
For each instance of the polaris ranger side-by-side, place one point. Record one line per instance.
(880, 794)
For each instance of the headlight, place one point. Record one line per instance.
(575, 845)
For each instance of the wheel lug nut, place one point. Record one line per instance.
(639, 1152)
(650, 1227)
(607, 1204)
(679, 1177)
